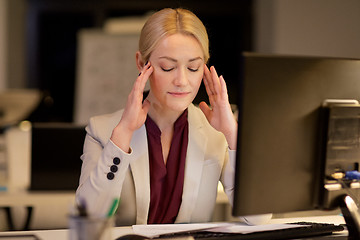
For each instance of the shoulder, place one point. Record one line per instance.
(107, 118)
(101, 126)
(196, 116)
(197, 120)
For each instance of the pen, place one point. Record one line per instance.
(113, 207)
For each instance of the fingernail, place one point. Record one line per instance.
(146, 62)
(139, 73)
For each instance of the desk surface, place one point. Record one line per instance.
(119, 231)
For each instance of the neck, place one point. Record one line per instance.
(164, 119)
(162, 116)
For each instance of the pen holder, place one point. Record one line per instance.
(90, 228)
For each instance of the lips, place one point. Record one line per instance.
(179, 94)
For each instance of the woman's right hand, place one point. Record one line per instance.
(135, 111)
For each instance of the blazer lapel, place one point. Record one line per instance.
(193, 166)
(141, 175)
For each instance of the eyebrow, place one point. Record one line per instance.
(174, 60)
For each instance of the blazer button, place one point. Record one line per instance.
(116, 160)
(110, 176)
(113, 168)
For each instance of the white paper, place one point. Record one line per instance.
(155, 230)
(244, 228)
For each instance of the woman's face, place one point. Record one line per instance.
(178, 63)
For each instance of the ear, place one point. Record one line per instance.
(139, 61)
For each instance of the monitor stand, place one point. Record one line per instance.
(351, 215)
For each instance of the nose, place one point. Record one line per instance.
(181, 78)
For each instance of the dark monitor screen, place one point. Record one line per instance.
(278, 137)
(55, 156)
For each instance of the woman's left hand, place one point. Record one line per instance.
(220, 115)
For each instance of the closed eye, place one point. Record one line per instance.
(193, 69)
(167, 69)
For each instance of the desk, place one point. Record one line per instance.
(62, 234)
(32, 200)
(119, 231)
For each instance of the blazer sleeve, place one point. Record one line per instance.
(103, 170)
(228, 174)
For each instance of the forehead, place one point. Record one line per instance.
(178, 46)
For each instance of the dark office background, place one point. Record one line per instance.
(52, 28)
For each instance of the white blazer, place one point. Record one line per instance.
(208, 160)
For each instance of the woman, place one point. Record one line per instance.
(162, 156)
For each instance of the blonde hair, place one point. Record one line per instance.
(170, 21)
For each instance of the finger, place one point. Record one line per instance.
(205, 109)
(143, 77)
(210, 88)
(224, 92)
(215, 80)
(146, 66)
(207, 88)
(146, 75)
(208, 91)
(140, 78)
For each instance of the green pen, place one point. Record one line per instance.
(113, 207)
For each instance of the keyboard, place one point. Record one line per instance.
(310, 230)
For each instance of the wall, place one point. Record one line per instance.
(3, 23)
(307, 27)
(12, 44)
(16, 51)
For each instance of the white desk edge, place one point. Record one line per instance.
(62, 234)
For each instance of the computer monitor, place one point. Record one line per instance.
(280, 155)
(55, 156)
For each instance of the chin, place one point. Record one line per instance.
(179, 106)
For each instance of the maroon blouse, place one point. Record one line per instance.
(166, 181)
